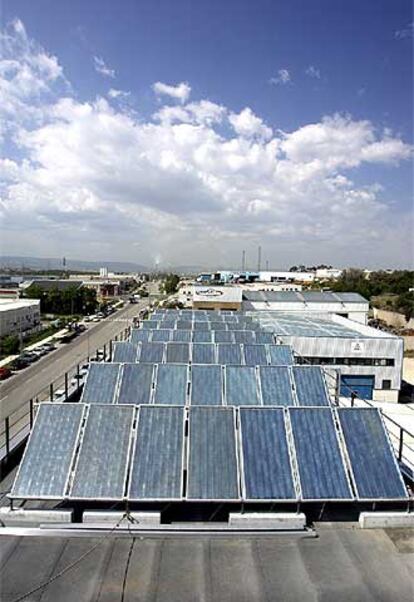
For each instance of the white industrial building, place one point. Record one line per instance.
(19, 316)
(366, 360)
(347, 305)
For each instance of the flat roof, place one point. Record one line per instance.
(12, 304)
(292, 324)
(303, 297)
(341, 563)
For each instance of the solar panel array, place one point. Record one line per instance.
(198, 335)
(203, 353)
(206, 384)
(206, 453)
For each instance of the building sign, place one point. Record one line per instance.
(357, 346)
(209, 292)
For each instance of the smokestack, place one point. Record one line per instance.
(243, 261)
(259, 258)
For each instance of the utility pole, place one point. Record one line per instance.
(243, 261)
(267, 265)
(259, 258)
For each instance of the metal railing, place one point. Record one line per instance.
(15, 427)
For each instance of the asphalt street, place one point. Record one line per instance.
(26, 384)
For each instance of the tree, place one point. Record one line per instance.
(10, 345)
(405, 304)
(170, 284)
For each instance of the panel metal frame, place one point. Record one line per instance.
(345, 467)
(183, 456)
(205, 500)
(75, 449)
(296, 499)
(349, 463)
(80, 446)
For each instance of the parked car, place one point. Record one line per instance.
(5, 373)
(29, 357)
(19, 364)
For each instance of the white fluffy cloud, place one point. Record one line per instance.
(313, 71)
(248, 125)
(179, 92)
(191, 184)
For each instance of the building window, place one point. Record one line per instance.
(386, 385)
(348, 361)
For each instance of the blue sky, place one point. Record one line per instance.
(336, 65)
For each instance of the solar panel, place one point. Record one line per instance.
(241, 386)
(100, 383)
(320, 463)
(218, 326)
(223, 336)
(140, 336)
(184, 325)
(178, 353)
(181, 336)
(310, 386)
(255, 355)
(202, 336)
(206, 385)
(276, 386)
(201, 326)
(171, 385)
(376, 474)
(136, 384)
(157, 470)
(151, 353)
(203, 353)
(125, 352)
(163, 335)
(229, 353)
(280, 355)
(244, 336)
(100, 472)
(264, 337)
(46, 463)
(266, 468)
(212, 458)
(150, 324)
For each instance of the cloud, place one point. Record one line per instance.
(283, 78)
(102, 68)
(248, 125)
(114, 93)
(179, 92)
(196, 180)
(406, 32)
(313, 71)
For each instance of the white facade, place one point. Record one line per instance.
(328, 273)
(19, 316)
(304, 277)
(347, 305)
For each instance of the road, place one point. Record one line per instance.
(26, 384)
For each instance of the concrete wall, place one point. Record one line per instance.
(392, 318)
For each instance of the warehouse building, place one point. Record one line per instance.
(367, 361)
(347, 305)
(19, 316)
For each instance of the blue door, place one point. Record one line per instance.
(362, 386)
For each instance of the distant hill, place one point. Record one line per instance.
(54, 263)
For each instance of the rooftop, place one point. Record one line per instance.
(10, 304)
(292, 324)
(227, 294)
(303, 297)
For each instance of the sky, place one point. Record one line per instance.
(182, 133)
